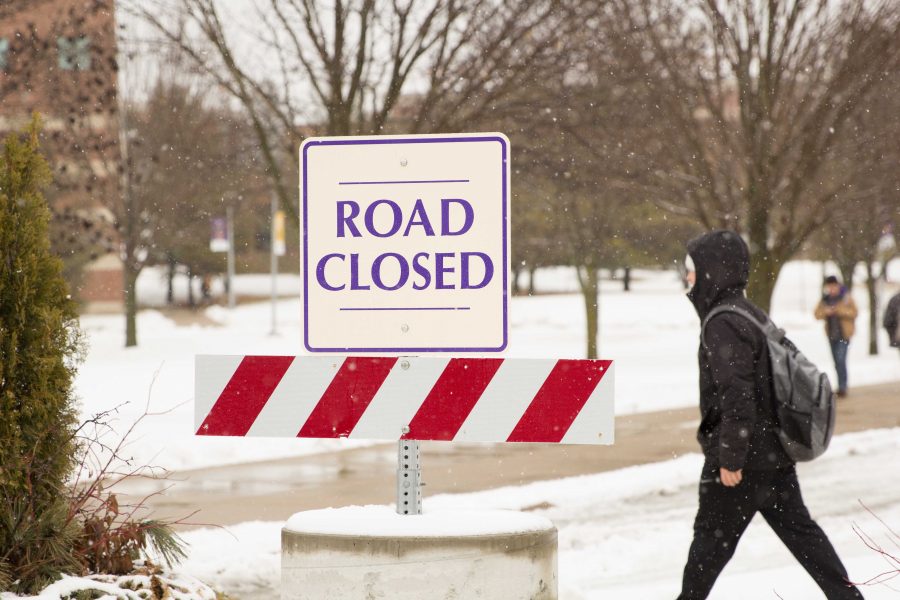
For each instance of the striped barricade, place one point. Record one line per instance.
(391, 398)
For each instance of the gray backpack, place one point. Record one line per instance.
(804, 403)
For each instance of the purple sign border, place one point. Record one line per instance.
(425, 140)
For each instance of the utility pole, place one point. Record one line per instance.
(128, 217)
(229, 216)
(274, 248)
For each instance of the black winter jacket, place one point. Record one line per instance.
(737, 427)
(892, 320)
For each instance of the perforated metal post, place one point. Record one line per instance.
(409, 473)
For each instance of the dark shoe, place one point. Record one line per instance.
(842, 393)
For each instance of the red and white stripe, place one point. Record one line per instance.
(459, 399)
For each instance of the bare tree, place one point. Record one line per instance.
(580, 139)
(870, 205)
(537, 241)
(578, 191)
(363, 66)
(573, 131)
(749, 98)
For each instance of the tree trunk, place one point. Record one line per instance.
(170, 282)
(130, 280)
(587, 277)
(846, 268)
(516, 273)
(871, 284)
(191, 302)
(764, 266)
(626, 279)
(531, 288)
(764, 269)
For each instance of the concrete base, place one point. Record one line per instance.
(496, 555)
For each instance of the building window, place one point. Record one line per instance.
(4, 54)
(74, 53)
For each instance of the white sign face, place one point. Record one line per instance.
(405, 243)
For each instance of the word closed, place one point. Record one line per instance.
(390, 271)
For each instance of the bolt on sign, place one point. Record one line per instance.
(405, 244)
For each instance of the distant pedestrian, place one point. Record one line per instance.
(839, 312)
(206, 289)
(746, 469)
(892, 320)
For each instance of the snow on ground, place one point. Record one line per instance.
(121, 587)
(625, 534)
(651, 333)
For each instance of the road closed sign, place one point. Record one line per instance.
(405, 243)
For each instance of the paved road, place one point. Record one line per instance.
(273, 490)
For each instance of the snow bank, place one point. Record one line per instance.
(125, 587)
(241, 560)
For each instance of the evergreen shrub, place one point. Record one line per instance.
(39, 351)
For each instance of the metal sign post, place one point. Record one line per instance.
(409, 478)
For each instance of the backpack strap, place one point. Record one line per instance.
(767, 327)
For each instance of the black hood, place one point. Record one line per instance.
(722, 261)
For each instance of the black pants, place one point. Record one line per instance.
(724, 514)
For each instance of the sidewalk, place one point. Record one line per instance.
(274, 490)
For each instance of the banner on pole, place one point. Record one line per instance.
(419, 398)
(218, 237)
(278, 239)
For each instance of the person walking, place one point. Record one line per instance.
(746, 470)
(839, 312)
(892, 320)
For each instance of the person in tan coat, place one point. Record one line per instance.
(839, 312)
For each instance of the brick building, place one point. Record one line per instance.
(58, 58)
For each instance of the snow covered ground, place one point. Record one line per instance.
(650, 332)
(121, 587)
(625, 534)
